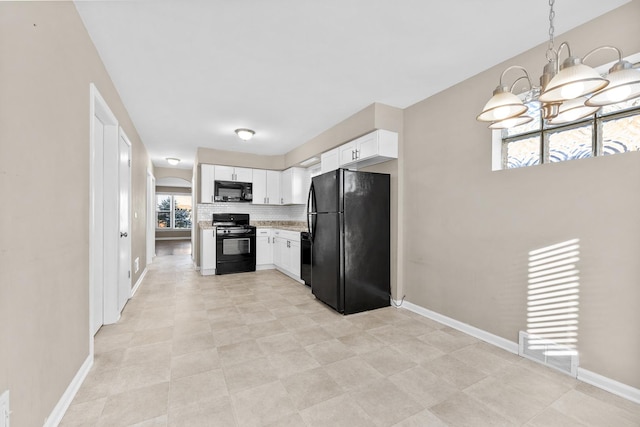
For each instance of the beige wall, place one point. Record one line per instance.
(48, 62)
(233, 158)
(469, 230)
(185, 174)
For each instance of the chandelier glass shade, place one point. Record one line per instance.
(502, 105)
(624, 84)
(567, 92)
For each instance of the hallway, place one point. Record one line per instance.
(256, 349)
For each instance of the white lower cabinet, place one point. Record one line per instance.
(207, 251)
(264, 249)
(286, 253)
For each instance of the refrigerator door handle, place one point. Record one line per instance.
(310, 210)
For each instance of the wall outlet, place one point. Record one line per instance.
(4, 409)
(136, 266)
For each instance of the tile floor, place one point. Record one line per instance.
(256, 349)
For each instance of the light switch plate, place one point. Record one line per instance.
(4, 409)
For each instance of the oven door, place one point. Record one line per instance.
(235, 254)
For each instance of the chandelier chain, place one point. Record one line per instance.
(552, 29)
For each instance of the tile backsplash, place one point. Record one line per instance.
(256, 212)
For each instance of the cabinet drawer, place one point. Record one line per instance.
(263, 231)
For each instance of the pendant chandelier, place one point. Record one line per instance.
(567, 92)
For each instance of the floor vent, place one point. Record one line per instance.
(545, 351)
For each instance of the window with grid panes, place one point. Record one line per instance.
(613, 130)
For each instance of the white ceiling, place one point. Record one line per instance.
(190, 72)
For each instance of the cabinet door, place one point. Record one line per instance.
(259, 187)
(207, 252)
(285, 187)
(206, 183)
(299, 186)
(294, 257)
(367, 146)
(280, 252)
(348, 153)
(264, 247)
(330, 160)
(224, 173)
(273, 187)
(243, 174)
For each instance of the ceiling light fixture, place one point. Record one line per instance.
(173, 161)
(245, 134)
(567, 92)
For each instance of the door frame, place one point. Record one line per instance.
(98, 222)
(103, 212)
(151, 219)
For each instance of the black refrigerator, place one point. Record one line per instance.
(348, 213)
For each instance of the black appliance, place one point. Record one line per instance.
(232, 191)
(235, 243)
(349, 221)
(305, 257)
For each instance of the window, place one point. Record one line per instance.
(173, 211)
(615, 129)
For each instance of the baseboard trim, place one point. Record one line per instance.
(265, 267)
(612, 386)
(65, 401)
(138, 282)
(503, 343)
(207, 271)
(597, 380)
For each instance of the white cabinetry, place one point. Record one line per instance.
(207, 251)
(294, 186)
(264, 249)
(330, 160)
(206, 183)
(230, 173)
(375, 147)
(266, 187)
(286, 254)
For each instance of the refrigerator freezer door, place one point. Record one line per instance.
(326, 278)
(366, 241)
(326, 196)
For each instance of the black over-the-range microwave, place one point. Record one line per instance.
(232, 191)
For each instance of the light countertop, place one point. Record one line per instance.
(280, 225)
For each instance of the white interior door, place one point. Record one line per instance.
(124, 221)
(97, 244)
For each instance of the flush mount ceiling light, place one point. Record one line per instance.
(567, 92)
(245, 134)
(173, 161)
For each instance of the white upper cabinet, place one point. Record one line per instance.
(330, 160)
(266, 187)
(206, 183)
(230, 173)
(375, 147)
(294, 186)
